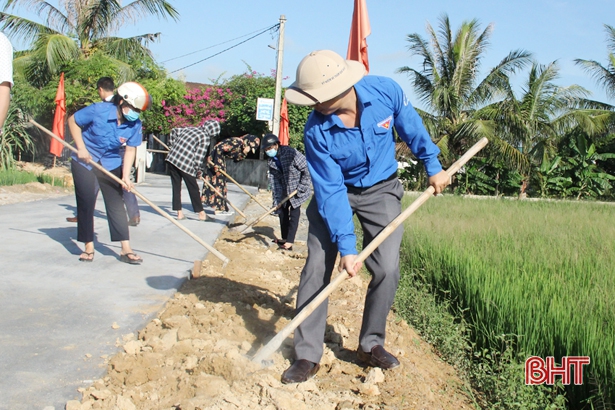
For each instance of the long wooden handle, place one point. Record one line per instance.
(275, 208)
(161, 143)
(157, 150)
(240, 187)
(220, 256)
(277, 340)
(223, 197)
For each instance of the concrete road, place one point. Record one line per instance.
(58, 315)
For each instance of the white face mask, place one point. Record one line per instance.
(271, 153)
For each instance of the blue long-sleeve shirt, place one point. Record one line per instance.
(362, 156)
(102, 135)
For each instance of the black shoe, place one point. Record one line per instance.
(300, 371)
(378, 357)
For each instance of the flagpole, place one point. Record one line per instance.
(278, 79)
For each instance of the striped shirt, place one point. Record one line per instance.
(188, 146)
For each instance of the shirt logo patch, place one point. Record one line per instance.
(386, 124)
(123, 140)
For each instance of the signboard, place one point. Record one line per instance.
(264, 109)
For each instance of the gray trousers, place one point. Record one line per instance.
(375, 207)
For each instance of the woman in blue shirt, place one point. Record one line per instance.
(99, 131)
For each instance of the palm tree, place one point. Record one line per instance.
(78, 28)
(449, 85)
(605, 76)
(534, 124)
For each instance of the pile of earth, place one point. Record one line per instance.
(196, 354)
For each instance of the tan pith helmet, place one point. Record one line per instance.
(321, 76)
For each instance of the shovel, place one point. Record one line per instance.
(219, 255)
(263, 354)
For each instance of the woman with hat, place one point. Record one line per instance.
(350, 151)
(99, 130)
(288, 172)
(235, 148)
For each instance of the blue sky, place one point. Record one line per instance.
(550, 29)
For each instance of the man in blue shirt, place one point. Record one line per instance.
(350, 150)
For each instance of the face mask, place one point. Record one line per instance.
(131, 115)
(271, 153)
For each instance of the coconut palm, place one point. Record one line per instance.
(544, 112)
(449, 85)
(78, 28)
(605, 76)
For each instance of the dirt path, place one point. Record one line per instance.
(196, 353)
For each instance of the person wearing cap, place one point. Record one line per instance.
(350, 151)
(6, 77)
(288, 172)
(187, 148)
(99, 130)
(235, 148)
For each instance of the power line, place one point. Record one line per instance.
(275, 26)
(216, 45)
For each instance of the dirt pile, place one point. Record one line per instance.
(196, 353)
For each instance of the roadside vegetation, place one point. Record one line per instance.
(17, 177)
(520, 279)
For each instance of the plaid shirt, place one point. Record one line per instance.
(188, 146)
(294, 175)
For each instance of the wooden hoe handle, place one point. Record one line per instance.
(263, 354)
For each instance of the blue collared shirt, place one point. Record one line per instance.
(103, 136)
(362, 156)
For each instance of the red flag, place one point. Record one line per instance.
(359, 30)
(284, 136)
(58, 119)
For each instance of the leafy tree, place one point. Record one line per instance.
(605, 76)
(76, 29)
(448, 84)
(244, 90)
(533, 124)
(582, 166)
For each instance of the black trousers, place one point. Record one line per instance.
(193, 189)
(85, 194)
(289, 221)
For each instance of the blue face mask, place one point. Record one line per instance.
(271, 153)
(132, 115)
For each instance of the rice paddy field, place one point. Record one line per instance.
(541, 271)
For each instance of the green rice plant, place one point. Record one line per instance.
(16, 177)
(542, 271)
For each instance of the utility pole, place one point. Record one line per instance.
(277, 101)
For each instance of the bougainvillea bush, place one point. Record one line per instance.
(199, 105)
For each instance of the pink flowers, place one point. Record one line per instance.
(201, 104)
